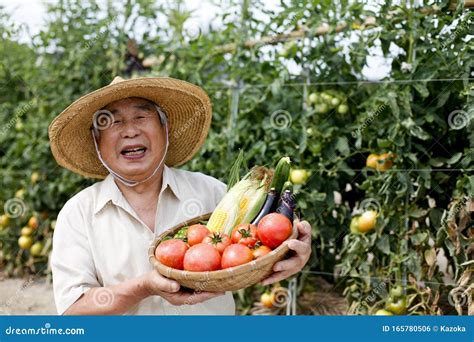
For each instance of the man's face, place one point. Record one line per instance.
(134, 144)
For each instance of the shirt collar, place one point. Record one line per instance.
(110, 192)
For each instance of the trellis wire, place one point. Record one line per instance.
(303, 84)
(368, 277)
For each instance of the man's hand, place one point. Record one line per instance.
(121, 297)
(169, 289)
(302, 246)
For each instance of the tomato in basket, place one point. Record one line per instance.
(273, 229)
(260, 251)
(245, 234)
(219, 240)
(235, 255)
(171, 253)
(202, 257)
(196, 233)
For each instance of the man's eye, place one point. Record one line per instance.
(140, 117)
(117, 121)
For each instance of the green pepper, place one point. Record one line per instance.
(182, 234)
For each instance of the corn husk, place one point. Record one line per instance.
(242, 202)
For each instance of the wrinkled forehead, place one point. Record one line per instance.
(123, 105)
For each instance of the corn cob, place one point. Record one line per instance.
(254, 201)
(227, 210)
(242, 203)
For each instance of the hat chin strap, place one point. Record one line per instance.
(123, 180)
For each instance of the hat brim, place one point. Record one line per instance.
(186, 105)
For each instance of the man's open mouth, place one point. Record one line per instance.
(133, 150)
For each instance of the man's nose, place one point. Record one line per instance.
(129, 130)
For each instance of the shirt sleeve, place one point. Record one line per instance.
(71, 259)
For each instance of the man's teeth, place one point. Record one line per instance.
(134, 151)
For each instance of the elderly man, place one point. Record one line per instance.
(132, 133)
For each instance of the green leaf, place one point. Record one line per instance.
(415, 130)
(413, 265)
(383, 244)
(234, 174)
(454, 159)
(421, 89)
(471, 186)
(418, 238)
(435, 217)
(442, 99)
(392, 102)
(320, 196)
(436, 162)
(342, 145)
(418, 212)
(384, 143)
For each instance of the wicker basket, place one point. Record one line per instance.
(230, 279)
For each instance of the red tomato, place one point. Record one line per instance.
(171, 253)
(196, 233)
(202, 257)
(273, 229)
(245, 234)
(219, 240)
(260, 251)
(236, 254)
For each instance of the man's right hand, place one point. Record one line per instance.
(156, 284)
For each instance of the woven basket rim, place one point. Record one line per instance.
(219, 274)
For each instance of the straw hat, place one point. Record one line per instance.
(187, 107)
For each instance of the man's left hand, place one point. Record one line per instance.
(302, 247)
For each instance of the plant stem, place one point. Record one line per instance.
(411, 39)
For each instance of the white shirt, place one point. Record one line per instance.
(100, 241)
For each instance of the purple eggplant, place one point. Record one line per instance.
(287, 205)
(268, 206)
